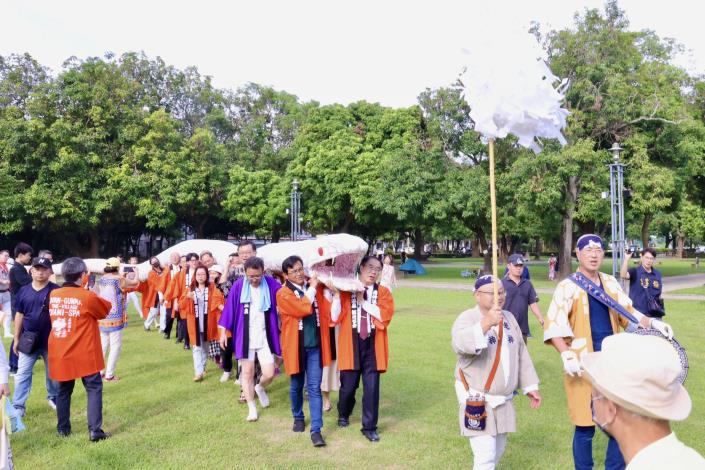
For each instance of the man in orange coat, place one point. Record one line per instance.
(305, 340)
(74, 347)
(362, 345)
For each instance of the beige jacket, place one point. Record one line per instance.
(476, 352)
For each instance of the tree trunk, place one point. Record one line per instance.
(537, 249)
(476, 247)
(680, 245)
(94, 246)
(418, 244)
(566, 245)
(486, 253)
(648, 217)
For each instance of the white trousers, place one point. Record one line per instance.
(162, 317)
(200, 356)
(114, 341)
(132, 297)
(487, 450)
(152, 315)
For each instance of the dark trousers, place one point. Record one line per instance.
(226, 356)
(182, 331)
(582, 450)
(169, 322)
(94, 394)
(14, 359)
(350, 381)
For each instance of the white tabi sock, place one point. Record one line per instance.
(262, 395)
(252, 415)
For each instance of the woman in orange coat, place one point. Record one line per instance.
(362, 345)
(201, 304)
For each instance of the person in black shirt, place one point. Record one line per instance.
(521, 295)
(644, 282)
(19, 276)
(33, 316)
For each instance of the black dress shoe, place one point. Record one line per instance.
(178, 340)
(371, 436)
(99, 435)
(64, 432)
(167, 336)
(317, 439)
(186, 346)
(343, 422)
(299, 425)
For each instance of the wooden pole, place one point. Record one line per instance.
(493, 207)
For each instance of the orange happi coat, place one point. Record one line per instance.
(149, 290)
(74, 342)
(165, 286)
(293, 309)
(346, 351)
(187, 310)
(176, 289)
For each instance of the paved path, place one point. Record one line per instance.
(670, 284)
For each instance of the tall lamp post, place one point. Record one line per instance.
(295, 209)
(617, 203)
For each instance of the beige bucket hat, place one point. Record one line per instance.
(639, 373)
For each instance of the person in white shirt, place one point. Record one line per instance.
(635, 404)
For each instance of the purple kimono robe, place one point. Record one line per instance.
(234, 319)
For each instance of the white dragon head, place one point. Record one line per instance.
(330, 256)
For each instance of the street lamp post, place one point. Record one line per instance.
(617, 203)
(295, 210)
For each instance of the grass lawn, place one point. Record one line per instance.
(161, 419)
(539, 272)
(691, 290)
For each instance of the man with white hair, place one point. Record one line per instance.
(586, 308)
(493, 362)
(635, 404)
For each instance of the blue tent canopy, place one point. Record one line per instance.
(411, 266)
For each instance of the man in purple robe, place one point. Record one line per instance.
(250, 315)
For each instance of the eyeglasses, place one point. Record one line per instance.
(374, 269)
(296, 271)
(592, 406)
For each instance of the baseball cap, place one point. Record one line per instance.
(516, 259)
(42, 262)
(112, 263)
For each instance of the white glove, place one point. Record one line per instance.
(663, 328)
(571, 364)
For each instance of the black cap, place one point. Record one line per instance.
(516, 259)
(41, 261)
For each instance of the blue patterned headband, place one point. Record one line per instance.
(483, 280)
(590, 241)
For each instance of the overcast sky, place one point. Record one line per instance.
(329, 51)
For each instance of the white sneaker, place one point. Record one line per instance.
(262, 395)
(237, 381)
(51, 404)
(225, 377)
